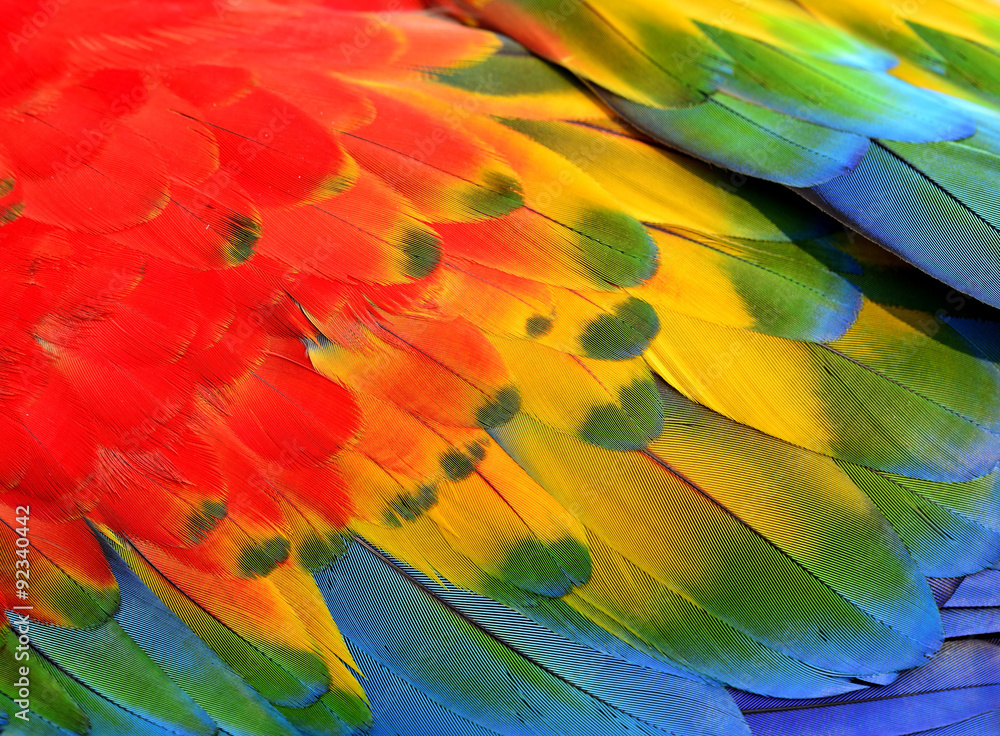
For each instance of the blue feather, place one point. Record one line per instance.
(961, 683)
(931, 203)
(981, 589)
(189, 662)
(491, 666)
(970, 621)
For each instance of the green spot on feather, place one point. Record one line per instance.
(204, 520)
(410, 506)
(260, 559)
(422, 253)
(496, 412)
(498, 195)
(551, 569)
(242, 234)
(538, 325)
(623, 334)
(457, 465)
(316, 552)
(390, 519)
(476, 451)
(511, 71)
(616, 248)
(630, 425)
(9, 214)
(215, 509)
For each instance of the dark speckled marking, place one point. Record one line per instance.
(242, 234)
(538, 325)
(204, 519)
(409, 506)
(457, 465)
(261, 559)
(629, 426)
(623, 334)
(316, 552)
(497, 412)
(499, 195)
(476, 450)
(422, 253)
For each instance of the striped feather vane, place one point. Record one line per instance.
(538, 367)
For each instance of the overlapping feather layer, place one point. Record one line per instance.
(364, 372)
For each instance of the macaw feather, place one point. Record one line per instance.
(499, 367)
